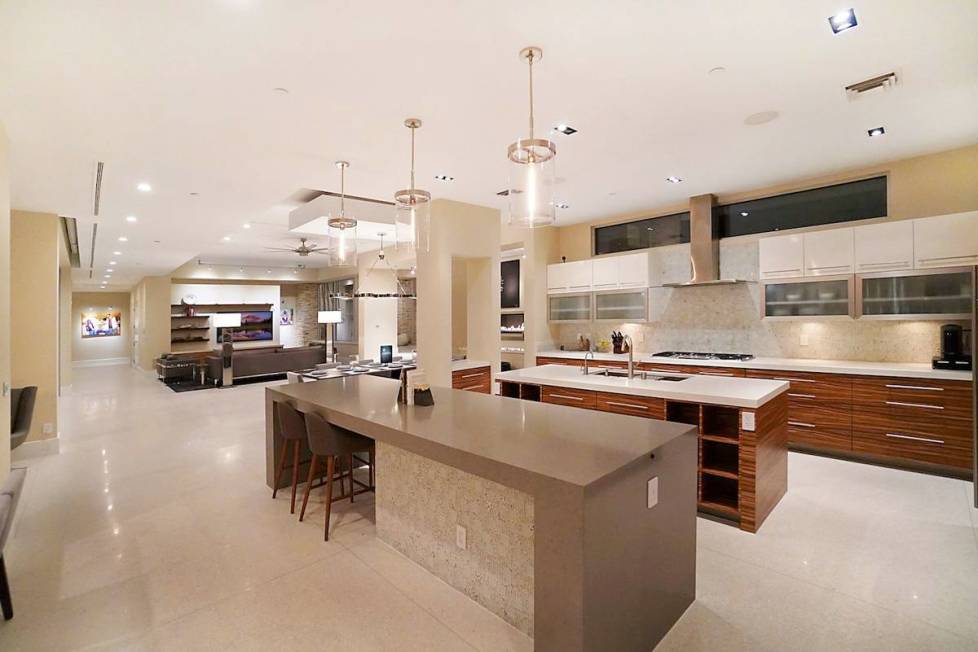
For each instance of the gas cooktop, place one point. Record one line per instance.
(695, 355)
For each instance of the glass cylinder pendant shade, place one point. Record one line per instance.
(412, 217)
(342, 241)
(532, 177)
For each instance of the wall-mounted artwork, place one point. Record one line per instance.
(287, 312)
(101, 323)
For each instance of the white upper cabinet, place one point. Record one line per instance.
(946, 241)
(828, 252)
(883, 247)
(556, 277)
(605, 273)
(633, 271)
(578, 275)
(782, 256)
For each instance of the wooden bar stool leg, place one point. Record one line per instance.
(305, 494)
(353, 487)
(330, 469)
(281, 467)
(295, 474)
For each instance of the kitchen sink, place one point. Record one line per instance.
(644, 375)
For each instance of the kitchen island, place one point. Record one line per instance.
(742, 425)
(579, 528)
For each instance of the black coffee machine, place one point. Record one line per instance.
(954, 349)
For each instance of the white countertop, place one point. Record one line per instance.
(462, 365)
(714, 390)
(855, 367)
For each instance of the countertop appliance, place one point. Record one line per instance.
(955, 353)
(695, 355)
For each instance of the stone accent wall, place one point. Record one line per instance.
(306, 309)
(727, 318)
(407, 316)
(418, 505)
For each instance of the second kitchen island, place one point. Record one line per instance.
(742, 469)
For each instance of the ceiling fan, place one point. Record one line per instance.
(303, 249)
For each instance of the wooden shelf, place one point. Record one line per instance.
(719, 473)
(710, 506)
(190, 339)
(722, 439)
(719, 490)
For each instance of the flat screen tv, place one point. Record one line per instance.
(255, 327)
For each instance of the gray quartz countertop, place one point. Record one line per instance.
(511, 441)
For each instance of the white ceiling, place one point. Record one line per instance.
(180, 95)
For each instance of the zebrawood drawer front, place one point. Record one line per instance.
(913, 397)
(667, 368)
(477, 380)
(952, 431)
(924, 447)
(804, 433)
(639, 406)
(820, 415)
(809, 387)
(565, 396)
(718, 371)
(564, 361)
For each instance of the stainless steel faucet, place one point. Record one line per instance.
(631, 359)
(589, 353)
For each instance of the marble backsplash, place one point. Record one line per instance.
(726, 318)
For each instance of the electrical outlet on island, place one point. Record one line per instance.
(460, 537)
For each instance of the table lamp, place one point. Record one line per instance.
(329, 317)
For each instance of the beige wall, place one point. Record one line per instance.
(64, 320)
(151, 320)
(934, 184)
(5, 378)
(87, 350)
(34, 300)
(467, 231)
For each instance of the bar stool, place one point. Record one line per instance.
(292, 430)
(331, 442)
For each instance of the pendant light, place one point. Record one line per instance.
(412, 212)
(532, 171)
(342, 229)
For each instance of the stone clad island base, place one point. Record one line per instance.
(560, 540)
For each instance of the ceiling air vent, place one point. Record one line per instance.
(97, 190)
(508, 192)
(868, 86)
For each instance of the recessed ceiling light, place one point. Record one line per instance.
(673, 179)
(843, 20)
(227, 238)
(562, 205)
(760, 118)
(106, 276)
(278, 90)
(116, 253)
(143, 187)
(744, 213)
(131, 218)
(876, 131)
(245, 226)
(567, 130)
(194, 194)
(123, 238)
(718, 70)
(444, 177)
(112, 262)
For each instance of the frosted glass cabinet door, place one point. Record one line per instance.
(808, 299)
(922, 295)
(630, 306)
(570, 307)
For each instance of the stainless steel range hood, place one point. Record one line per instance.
(704, 246)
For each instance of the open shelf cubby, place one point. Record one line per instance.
(509, 390)
(720, 458)
(683, 413)
(721, 421)
(530, 392)
(719, 493)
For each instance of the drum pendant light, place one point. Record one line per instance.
(412, 207)
(532, 171)
(342, 229)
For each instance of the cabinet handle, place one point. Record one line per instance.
(481, 373)
(565, 396)
(714, 373)
(801, 395)
(924, 260)
(832, 267)
(476, 386)
(781, 271)
(895, 435)
(917, 405)
(629, 405)
(796, 380)
(920, 387)
(801, 424)
(895, 262)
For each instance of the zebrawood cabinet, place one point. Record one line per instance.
(473, 380)
(567, 396)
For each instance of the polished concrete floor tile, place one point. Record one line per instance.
(153, 530)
